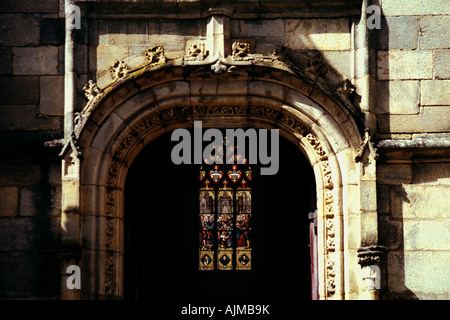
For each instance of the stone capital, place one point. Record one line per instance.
(371, 255)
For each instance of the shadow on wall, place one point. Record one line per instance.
(29, 255)
(413, 226)
(390, 198)
(390, 226)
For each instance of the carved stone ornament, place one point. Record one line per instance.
(345, 89)
(118, 70)
(91, 90)
(315, 67)
(372, 255)
(156, 55)
(241, 51)
(78, 120)
(196, 52)
(364, 146)
(330, 232)
(280, 56)
(218, 67)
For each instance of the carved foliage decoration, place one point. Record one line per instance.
(196, 52)
(155, 55)
(330, 234)
(118, 70)
(91, 90)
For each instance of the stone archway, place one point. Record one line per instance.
(140, 104)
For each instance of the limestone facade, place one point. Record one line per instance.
(368, 107)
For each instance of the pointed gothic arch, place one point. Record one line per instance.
(141, 103)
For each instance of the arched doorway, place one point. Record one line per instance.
(161, 238)
(120, 120)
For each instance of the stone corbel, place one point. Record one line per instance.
(371, 255)
(371, 260)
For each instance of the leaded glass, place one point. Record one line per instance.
(225, 213)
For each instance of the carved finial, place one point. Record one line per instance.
(91, 90)
(156, 55)
(218, 67)
(119, 70)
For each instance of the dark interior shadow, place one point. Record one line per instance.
(161, 237)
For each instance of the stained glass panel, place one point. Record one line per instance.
(225, 214)
(206, 260)
(206, 240)
(225, 202)
(207, 203)
(243, 201)
(243, 259)
(243, 239)
(225, 260)
(225, 222)
(225, 239)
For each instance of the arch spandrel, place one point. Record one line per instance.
(130, 112)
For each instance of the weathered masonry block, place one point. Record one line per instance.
(35, 60)
(404, 64)
(435, 92)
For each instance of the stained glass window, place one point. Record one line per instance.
(225, 210)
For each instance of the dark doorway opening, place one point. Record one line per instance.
(161, 233)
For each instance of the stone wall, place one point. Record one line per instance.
(414, 223)
(413, 53)
(413, 58)
(31, 112)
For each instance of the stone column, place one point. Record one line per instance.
(69, 72)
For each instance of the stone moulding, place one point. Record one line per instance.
(263, 96)
(240, 64)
